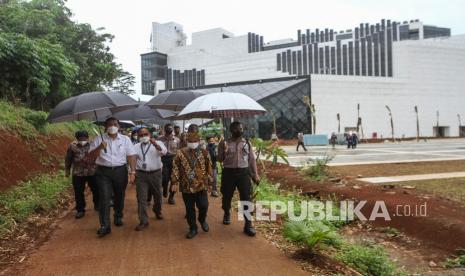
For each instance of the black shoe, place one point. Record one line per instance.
(205, 226)
(249, 231)
(118, 222)
(171, 200)
(192, 233)
(141, 226)
(103, 231)
(159, 216)
(227, 219)
(165, 193)
(79, 215)
(214, 194)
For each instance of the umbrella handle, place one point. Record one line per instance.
(99, 130)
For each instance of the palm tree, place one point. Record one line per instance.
(418, 124)
(437, 123)
(392, 122)
(338, 123)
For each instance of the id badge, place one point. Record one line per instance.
(144, 166)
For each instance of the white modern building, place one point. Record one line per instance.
(395, 64)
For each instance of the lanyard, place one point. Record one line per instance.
(142, 150)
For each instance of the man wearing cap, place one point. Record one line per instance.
(113, 152)
(239, 168)
(148, 175)
(171, 143)
(83, 171)
(192, 172)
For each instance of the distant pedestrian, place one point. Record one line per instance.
(300, 142)
(239, 168)
(349, 139)
(354, 140)
(113, 153)
(211, 148)
(83, 167)
(333, 140)
(172, 144)
(192, 172)
(148, 175)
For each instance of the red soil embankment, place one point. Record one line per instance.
(23, 159)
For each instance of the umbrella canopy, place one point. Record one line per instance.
(222, 105)
(144, 113)
(174, 101)
(87, 106)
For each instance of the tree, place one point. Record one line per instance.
(124, 83)
(392, 122)
(46, 57)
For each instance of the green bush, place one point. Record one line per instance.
(455, 263)
(40, 194)
(317, 168)
(368, 259)
(311, 233)
(36, 118)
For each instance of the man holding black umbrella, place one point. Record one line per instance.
(113, 152)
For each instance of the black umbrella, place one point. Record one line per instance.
(175, 100)
(144, 113)
(91, 106)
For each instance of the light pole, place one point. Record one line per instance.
(392, 122)
(418, 124)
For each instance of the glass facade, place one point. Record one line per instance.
(153, 67)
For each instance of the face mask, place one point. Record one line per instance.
(112, 130)
(193, 145)
(82, 143)
(169, 131)
(134, 137)
(144, 139)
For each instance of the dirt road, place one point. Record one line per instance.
(162, 249)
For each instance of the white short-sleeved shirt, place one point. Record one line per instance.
(152, 158)
(118, 150)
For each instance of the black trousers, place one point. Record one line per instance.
(230, 180)
(167, 170)
(79, 186)
(111, 182)
(301, 144)
(191, 200)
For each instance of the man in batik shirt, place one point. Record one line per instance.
(83, 171)
(171, 143)
(192, 172)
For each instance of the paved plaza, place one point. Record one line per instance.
(407, 151)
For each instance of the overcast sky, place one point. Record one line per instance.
(130, 21)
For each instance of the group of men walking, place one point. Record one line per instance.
(159, 168)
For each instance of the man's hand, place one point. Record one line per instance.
(155, 144)
(209, 189)
(132, 177)
(256, 179)
(226, 147)
(103, 145)
(67, 173)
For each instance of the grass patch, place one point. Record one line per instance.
(368, 259)
(317, 168)
(452, 188)
(455, 263)
(39, 195)
(29, 123)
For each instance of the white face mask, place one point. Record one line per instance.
(193, 145)
(144, 139)
(82, 143)
(112, 130)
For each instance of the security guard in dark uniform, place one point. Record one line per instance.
(239, 169)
